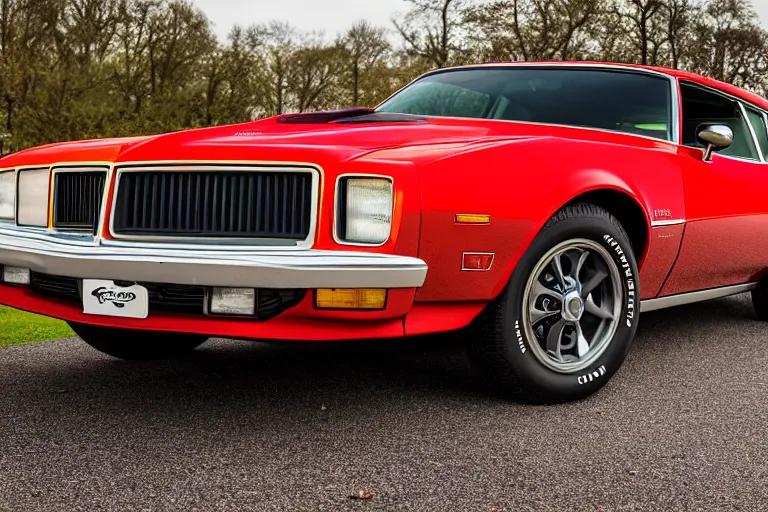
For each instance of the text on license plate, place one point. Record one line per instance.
(105, 298)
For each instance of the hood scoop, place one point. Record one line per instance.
(349, 116)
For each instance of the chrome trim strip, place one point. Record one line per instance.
(672, 222)
(337, 208)
(276, 268)
(209, 242)
(677, 104)
(692, 297)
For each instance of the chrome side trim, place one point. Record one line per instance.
(672, 222)
(276, 268)
(693, 297)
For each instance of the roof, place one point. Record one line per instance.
(675, 73)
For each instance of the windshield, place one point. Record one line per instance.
(624, 101)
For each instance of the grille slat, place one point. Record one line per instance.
(77, 200)
(225, 204)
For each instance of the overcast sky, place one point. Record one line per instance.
(331, 16)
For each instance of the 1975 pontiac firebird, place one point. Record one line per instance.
(540, 206)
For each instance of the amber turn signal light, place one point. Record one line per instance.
(359, 298)
(463, 218)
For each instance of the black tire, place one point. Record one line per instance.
(760, 300)
(501, 351)
(137, 345)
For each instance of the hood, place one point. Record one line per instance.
(320, 138)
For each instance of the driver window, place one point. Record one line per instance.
(702, 108)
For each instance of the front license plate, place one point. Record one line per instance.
(105, 298)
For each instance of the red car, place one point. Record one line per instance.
(542, 207)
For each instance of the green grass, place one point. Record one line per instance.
(19, 327)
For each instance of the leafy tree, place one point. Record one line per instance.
(78, 69)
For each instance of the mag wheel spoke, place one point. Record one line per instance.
(572, 300)
(601, 312)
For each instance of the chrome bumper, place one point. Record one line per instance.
(278, 268)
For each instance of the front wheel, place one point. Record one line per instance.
(137, 345)
(567, 319)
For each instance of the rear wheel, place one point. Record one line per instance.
(760, 300)
(137, 345)
(567, 319)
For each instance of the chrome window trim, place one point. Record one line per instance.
(337, 208)
(675, 103)
(210, 242)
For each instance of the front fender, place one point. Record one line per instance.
(521, 184)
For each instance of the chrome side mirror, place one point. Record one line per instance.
(716, 136)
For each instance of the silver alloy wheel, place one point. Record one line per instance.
(572, 304)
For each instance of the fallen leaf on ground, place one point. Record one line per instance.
(362, 495)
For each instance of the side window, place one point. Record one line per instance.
(702, 108)
(757, 120)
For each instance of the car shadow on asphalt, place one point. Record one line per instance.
(247, 373)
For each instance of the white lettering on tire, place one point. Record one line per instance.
(589, 377)
(628, 274)
(519, 335)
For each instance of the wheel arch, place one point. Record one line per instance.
(627, 211)
(615, 197)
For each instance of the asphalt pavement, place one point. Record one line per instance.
(388, 425)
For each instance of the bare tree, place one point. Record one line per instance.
(532, 29)
(366, 49)
(431, 30)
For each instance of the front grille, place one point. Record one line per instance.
(221, 204)
(169, 298)
(77, 200)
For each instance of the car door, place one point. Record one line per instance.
(725, 240)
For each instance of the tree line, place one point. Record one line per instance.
(78, 69)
